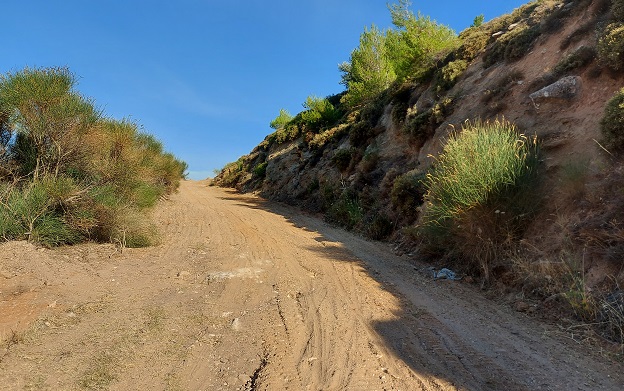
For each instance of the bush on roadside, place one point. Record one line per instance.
(480, 193)
(69, 173)
(407, 194)
(346, 210)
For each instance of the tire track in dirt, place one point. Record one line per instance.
(244, 294)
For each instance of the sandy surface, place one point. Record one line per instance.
(249, 295)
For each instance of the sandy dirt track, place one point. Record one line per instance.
(244, 294)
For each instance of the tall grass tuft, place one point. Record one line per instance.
(480, 192)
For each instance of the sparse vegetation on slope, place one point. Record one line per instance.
(364, 170)
(613, 122)
(67, 173)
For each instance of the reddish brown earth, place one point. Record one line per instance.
(244, 294)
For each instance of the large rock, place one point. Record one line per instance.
(565, 88)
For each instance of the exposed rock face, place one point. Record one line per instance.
(565, 88)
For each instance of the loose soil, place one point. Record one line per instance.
(244, 294)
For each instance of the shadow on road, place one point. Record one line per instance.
(432, 347)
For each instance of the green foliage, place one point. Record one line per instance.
(578, 59)
(359, 133)
(448, 75)
(49, 118)
(478, 21)
(319, 113)
(417, 42)
(288, 133)
(281, 120)
(611, 46)
(612, 124)
(480, 192)
(512, 45)
(369, 71)
(36, 212)
(74, 174)
(260, 170)
(419, 126)
(379, 227)
(410, 51)
(370, 160)
(366, 124)
(346, 210)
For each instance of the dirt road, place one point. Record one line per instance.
(249, 295)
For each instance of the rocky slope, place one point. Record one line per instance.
(363, 173)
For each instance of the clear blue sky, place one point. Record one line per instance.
(205, 76)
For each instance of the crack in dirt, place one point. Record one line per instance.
(253, 382)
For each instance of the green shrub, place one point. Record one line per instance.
(36, 212)
(281, 120)
(399, 112)
(360, 132)
(260, 170)
(370, 160)
(369, 71)
(512, 45)
(75, 174)
(449, 74)
(611, 46)
(478, 21)
(578, 59)
(319, 113)
(417, 43)
(612, 124)
(321, 139)
(480, 192)
(346, 210)
(52, 231)
(419, 126)
(231, 173)
(145, 195)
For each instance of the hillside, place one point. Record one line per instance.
(366, 168)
